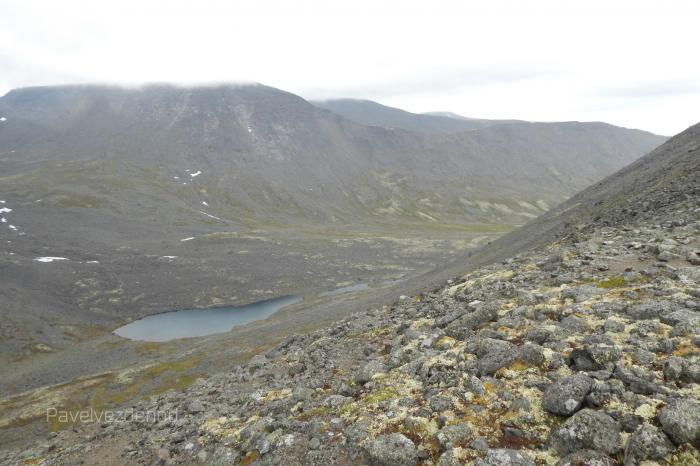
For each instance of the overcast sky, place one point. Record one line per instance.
(633, 63)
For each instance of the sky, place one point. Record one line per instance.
(633, 63)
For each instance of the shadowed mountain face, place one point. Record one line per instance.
(166, 197)
(253, 152)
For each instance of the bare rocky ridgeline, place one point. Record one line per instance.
(580, 351)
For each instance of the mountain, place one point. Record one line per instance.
(572, 340)
(371, 113)
(267, 155)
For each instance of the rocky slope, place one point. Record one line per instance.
(581, 348)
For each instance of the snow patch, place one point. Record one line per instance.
(12, 227)
(176, 177)
(209, 215)
(3, 119)
(5, 210)
(2, 202)
(187, 239)
(51, 259)
(3, 220)
(170, 257)
(197, 173)
(205, 203)
(92, 262)
(250, 130)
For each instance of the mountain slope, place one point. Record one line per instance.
(573, 340)
(371, 113)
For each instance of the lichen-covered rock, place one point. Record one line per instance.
(566, 395)
(681, 421)
(647, 443)
(504, 457)
(649, 310)
(587, 429)
(391, 450)
(494, 354)
(595, 357)
(586, 458)
(370, 369)
(450, 436)
(681, 316)
(461, 327)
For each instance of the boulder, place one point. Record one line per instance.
(391, 450)
(587, 430)
(504, 457)
(680, 420)
(647, 443)
(566, 395)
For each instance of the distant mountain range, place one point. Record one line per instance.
(258, 154)
(371, 113)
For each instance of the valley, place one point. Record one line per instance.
(126, 203)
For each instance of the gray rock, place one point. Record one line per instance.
(587, 429)
(681, 421)
(586, 458)
(314, 444)
(574, 324)
(637, 384)
(372, 367)
(473, 384)
(651, 310)
(531, 353)
(581, 293)
(666, 256)
(494, 354)
(163, 454)
(450, 436)
(647, 443)
(391, 450)
(479, 443)
(566, 395)
(195, 407)
(595, 357)
(440, 403)
(463, 326)
(681, 316)
(504, 457)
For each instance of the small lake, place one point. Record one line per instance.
(200, 322)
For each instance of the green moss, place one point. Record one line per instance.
(319, 411)
(613, 282)
(379, 396)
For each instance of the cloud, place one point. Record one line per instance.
(17, 73)
(429, 82)
(654, 89)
